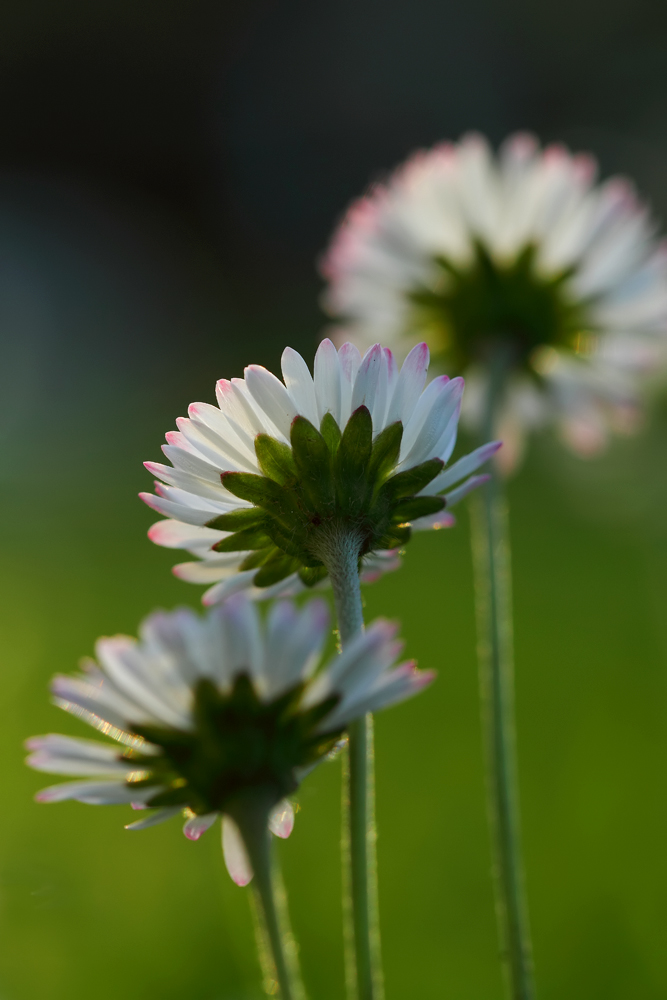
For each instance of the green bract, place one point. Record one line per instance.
(238, 742)
(483, 298)
(325, 483)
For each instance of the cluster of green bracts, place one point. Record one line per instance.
(328, 481)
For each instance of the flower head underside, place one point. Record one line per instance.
(205, 711)
(260, 482)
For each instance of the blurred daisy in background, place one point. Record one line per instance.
(521, 253)
(206, 710)
(259, 482)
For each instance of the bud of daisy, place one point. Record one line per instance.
(212, 714)
(523, 251)
(264, 484)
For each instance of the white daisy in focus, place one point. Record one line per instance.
(260, 481)
(462, 248)
(206, 710)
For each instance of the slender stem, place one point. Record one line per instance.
(340, 554)
(277, 947)
(491, 550)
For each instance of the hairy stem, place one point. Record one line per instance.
(491, 551)
(340, 554)
(276, 944)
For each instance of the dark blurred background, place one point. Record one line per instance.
(169, 173)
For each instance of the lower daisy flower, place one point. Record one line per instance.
(208, 712)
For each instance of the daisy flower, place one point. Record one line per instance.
(260, 483)
(204, 711)
(462, 248)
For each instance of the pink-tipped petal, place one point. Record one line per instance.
(281, 819)
(409, 385)
(327, 380)
(233, 849)
(464, 489)
(198, 825)
(366, 382)
(156, 817)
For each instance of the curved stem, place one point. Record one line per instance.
(363, 962)
(277, 948)
(491, 550)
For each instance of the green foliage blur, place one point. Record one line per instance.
(90, 910)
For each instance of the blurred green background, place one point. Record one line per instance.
(168, 175)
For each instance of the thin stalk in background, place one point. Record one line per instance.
(277, 948)
(363, 962)
(493, 597)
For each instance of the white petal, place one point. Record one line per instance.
(175, 535)
(327, 381)
(469, 463)
(368, 653)
(281, 819)
(211, 570)
(187, 482)
(366, 382)
(98, 793)
(442, 401)
(433, 522)
(271, 395)
(235, 854)
(185, 460)
(101, 701)
(409, 386)
(299, 384)
(57, 754)
(244, 650)
(198, 515)
(124, 664)
(396, 686)
(224, 589)
(225, 434)
(294, 643)
(349, 359)
(156, 817)
(464, 489)
(197, 825)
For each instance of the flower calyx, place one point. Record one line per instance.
(327, 481)
(471, 301)
(239, 745)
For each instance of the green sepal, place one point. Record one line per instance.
(287, 540)
(256, 558)
(275, 569)
(312, 575)
(170, 797)
(406, 484)
(309, 719)
(240, 541)
(386, 449)
(331, 432)
(313, 461)
(415, 507)
(255, 489)
(352, 459)
(160, 736)
(235, 520)
(396, 536)
(275, 460)
(320, 746)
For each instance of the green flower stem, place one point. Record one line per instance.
(276, 944)
(360, 903)
(491, 551)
